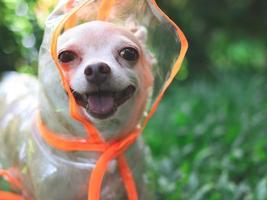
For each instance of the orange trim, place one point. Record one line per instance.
(9, 196)
(64, 144)
(97, 175)
(176, 67)
(73, 19)
(71, 22)
(104, 9)
(127, 178)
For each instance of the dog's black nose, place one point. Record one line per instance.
(97, 73)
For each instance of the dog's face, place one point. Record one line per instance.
(109, 73)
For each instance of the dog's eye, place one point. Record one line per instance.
(66, 56)
(129, 53)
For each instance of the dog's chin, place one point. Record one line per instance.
(103, 104)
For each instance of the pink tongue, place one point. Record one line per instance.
(101, 104)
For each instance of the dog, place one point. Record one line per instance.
(110, 72)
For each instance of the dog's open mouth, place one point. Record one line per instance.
(103, 104)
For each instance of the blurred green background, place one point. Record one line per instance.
(212, 144)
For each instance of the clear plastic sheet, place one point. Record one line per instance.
(162, 42)
(48, 173)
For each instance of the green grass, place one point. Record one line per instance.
(208, 139)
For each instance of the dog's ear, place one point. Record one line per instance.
(140, 33)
